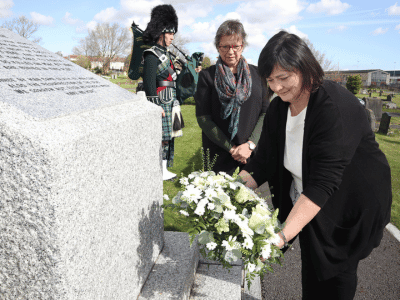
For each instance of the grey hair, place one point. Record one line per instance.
(230, 27)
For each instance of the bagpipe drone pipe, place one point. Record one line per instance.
(186, 82)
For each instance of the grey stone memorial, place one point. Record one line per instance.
(385, 123)
(80, 180)
(389, 98)
(374, 104)
(371, 118)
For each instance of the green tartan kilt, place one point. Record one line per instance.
(167, 120)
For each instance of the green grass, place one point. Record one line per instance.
(390, 145)
(187, 159)
(396, 99)
(125, 82)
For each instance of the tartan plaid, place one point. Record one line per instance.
(166, 95)
(168, 152)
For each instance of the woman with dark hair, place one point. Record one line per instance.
(330, 181)
(159, 74)
(230, 102)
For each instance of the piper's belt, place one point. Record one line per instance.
(166, 83)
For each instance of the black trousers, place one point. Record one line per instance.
(341, 287)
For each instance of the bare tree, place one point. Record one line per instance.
(86, 47)
(59, 53)
(24, 27)
(180, 42)
(325, 63)
(105, 42)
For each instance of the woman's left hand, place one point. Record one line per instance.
(242, 153)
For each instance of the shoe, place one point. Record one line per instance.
(167, 175)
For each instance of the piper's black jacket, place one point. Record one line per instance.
(344, 173)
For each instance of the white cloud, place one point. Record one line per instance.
(139, 7)
(293, 29)
(5, 8)
(379, 31)
(67, 19)
(41, 19)
(202, 32)
(86, 27)
(209, 50)
(398, 27)
(271, 13)
(107, 15)
(394, 10)
(91, 25)
(337, 29)
(329, 7)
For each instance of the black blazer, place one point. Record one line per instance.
(207, 103)
(344, 173)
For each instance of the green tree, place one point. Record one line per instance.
(83, 61)
(354, 83)
(206, 62)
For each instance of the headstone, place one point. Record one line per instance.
(385, 123)
(380, 93)
(364, 92)
(390, 105)
(370, 94)
(375, 104)
(371, 118)
(389, 98)
(80, 180)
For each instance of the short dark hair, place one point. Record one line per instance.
(230, 27)
(291, 53)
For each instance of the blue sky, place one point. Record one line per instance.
(354, 34)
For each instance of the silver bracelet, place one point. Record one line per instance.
(284, 239)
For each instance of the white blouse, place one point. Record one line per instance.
(294, 151)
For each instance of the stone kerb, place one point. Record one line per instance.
(80, 186)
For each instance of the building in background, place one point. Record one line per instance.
(375, 77)
(394, 78)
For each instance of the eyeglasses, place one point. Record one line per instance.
(235, 48)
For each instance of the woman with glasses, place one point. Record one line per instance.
(231, 102)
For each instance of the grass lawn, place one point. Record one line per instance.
(390, 145)
(125, 82)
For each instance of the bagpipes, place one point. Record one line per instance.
(186, 82)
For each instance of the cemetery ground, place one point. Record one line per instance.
(188, 156)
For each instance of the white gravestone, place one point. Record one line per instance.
(80, 180)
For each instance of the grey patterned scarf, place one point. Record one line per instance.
(231, 94)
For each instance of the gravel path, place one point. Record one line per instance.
(378, 274)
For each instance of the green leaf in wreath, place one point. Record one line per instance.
(205, 237)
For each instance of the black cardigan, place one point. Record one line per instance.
(344, 173)
(207, 103)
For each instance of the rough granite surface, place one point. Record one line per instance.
(80, 193)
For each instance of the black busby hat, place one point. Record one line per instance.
(163, 19)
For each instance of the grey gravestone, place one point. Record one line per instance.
(371, 118)
(375, 104)
(370, 94)
(385, 123)
(389, 98)
(80, 180)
